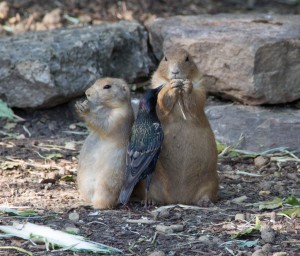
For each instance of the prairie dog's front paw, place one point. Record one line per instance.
(176, 85)
(187, 86)
(81, 107)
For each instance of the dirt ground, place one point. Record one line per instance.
(38, 159)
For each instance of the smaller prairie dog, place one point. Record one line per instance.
(186, 169)
(101, 167)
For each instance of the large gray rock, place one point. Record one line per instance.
(252, 59)
(263, 128)
(47, 68)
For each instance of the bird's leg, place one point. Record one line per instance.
(148, 180)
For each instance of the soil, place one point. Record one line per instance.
(38, 159)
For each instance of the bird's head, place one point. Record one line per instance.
(149, 99)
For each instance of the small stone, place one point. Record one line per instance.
(277, 174)
(164, 229)
(21, 137)
(280, 254)
(239, 200)
(72, 126)
(268, 234)
(267, 248)
(258, 252)
(177, 228)
(4, 10)
(273, 216)
(85, 19)
(261, 161)
(157, 253)
(292, 176)
(264, 192)
(216, 240)
(240, 216)
(53, 19)
(74, 216)
(204, 239)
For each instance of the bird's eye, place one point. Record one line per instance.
(165, 58)
(187, 58)
(107, 86)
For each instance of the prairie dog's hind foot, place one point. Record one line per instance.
(205, 202)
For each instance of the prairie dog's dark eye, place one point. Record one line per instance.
(107, 86)
(187, 58)
(165, 58)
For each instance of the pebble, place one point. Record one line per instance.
(258, 253)
(204, 239)
(72, 126)
(240, 216)
(239, 200)
(4, 10)
(157, 253)
(268, 234)
(21, 137)
(177, 228)
(261, 161)
(164, 229)
(74, 216)
(279, 254)
(267, 248)
(53, 19)
(169, 229)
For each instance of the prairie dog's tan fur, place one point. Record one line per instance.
(186, 169)
(109, 116)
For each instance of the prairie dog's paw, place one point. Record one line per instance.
(205, 202)
(176, 85)
(81, 107)
(187, 86)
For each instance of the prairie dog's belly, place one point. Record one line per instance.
(100, 160)
(185, 146)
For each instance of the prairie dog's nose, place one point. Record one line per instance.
(174, 71)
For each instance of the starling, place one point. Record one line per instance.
(144, 146)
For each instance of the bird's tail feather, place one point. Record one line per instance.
(125, 194)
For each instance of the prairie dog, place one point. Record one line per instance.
(186, 170)
(101, 166)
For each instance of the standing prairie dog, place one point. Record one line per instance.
(186, 170)
(108, 114)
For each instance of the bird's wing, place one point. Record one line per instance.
(144, 146)
(142, 149)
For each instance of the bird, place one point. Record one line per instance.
(144, 146)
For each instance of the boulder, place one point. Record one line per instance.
(254, 59)
(263, 128)
(43, 69)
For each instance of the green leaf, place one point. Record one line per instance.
(220, 147)
(9, 126)
(9, 165)
(67, 178)
(54, 156)
(292, 200)
(5, 111)
(248, 231)
(270, 205)
(11, 211)
(294, 212)
(56, 238)
(16, 248)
